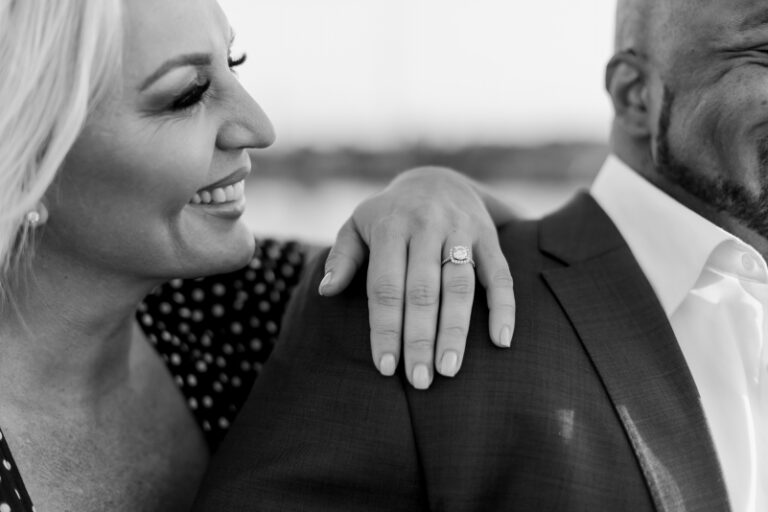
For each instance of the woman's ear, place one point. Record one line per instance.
(627, 82)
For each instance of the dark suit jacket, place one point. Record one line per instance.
(592, 409)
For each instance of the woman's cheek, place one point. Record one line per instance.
(173, 168)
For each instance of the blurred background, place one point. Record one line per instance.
(509, 92)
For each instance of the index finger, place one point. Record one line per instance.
(385, 286)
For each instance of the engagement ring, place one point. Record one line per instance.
(459, 255)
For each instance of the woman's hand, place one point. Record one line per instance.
(410, 229)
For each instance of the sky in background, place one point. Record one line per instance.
(377, 73)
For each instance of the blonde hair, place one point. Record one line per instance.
(58, 57)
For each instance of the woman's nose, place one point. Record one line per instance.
(246, 125)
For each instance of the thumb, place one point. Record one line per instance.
(346, 257)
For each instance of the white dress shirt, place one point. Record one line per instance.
(714, 289)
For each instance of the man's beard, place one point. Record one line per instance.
(721, 194)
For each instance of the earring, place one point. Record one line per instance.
(36, 217)
(33, 218)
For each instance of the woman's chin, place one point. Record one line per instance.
(230, 256)
(241, 255)
(216, 246)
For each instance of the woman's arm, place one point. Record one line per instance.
(405, 232)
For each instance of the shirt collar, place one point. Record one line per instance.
(671, 243)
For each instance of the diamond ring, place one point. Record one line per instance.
(459, 255)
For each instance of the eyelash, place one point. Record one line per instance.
(234, 63)
(191, 97)
(196, 94)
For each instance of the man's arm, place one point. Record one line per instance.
(322, 430)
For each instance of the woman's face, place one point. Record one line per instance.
(153, 187)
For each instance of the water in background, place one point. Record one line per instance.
(313, 212)
(310, 192)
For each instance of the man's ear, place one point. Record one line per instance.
(627, 83)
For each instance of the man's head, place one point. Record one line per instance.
(689, 83)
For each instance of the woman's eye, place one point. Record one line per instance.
(191, 96)
(233, 63)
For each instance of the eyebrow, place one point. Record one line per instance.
(191, 59)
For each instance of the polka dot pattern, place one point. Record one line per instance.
(13, 493)
(214, 334)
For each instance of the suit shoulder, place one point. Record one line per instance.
(325, 327)
(523, 231)
(519, 241)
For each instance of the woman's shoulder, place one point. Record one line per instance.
(216, 332)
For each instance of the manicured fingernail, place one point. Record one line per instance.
(325, 282)
(387, 365)
(421, 376)
(506, 337)
(449, 363)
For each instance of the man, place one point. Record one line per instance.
(639, 374)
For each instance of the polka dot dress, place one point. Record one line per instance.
(214, 333)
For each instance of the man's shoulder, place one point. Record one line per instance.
(311, 303)
(325, 328)
(576, 231)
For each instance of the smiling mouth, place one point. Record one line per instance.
(233, 193)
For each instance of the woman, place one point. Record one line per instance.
(123, 155)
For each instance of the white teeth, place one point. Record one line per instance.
(226, 194)
(218, 195)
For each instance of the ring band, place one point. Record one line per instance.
(459, 255)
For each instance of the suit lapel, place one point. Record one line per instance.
(626, 334)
